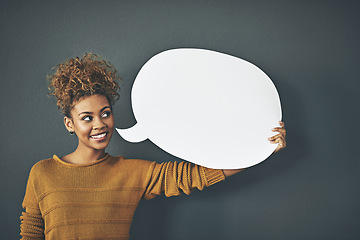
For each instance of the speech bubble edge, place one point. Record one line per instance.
(137, 126)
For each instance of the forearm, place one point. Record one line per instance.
(32, 225)
(230, 172)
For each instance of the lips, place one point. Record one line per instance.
(99, 136)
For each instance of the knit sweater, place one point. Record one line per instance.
(98, 200)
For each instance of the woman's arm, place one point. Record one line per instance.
(172, 178)
(32, 223)
(279, 138)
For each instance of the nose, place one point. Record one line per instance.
(98, 124)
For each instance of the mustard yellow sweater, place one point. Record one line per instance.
(98, 200)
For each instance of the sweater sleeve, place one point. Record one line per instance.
(171, 177)
(32, 223)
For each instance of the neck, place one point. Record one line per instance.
(84, 156)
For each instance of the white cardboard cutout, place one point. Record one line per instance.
(206, 107)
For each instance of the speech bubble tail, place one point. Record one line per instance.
(134, 134)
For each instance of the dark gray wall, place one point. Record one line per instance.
(310, 49)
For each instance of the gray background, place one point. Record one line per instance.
(310, 49)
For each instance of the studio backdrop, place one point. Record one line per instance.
(309, 49)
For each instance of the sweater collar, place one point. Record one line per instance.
(55, 157)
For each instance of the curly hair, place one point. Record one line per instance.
(77, 78)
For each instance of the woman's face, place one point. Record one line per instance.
(92, 121)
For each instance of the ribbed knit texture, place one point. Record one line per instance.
(98, 200)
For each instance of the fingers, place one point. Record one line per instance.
(279, 138)
(273, 138)
(281, 143)
(281, 129)
(278, 148)
(278, 129)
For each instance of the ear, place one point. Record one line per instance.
(69, 124)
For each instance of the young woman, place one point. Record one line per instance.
(89, 194)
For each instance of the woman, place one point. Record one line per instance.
(89, 194)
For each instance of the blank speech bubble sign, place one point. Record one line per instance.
(206, 107)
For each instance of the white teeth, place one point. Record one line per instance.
(99, 136)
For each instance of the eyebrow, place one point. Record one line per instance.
(92, 112)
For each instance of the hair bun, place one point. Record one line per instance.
(77, 78)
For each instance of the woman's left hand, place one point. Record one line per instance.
(279, 138)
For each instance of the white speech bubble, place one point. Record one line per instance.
(206, 107)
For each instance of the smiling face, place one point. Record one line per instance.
(92, 121)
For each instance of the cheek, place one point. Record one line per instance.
(110, 122)
(84, 129)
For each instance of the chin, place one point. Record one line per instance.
(101, 146)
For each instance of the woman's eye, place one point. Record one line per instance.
(87, 118)
(106, 114)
